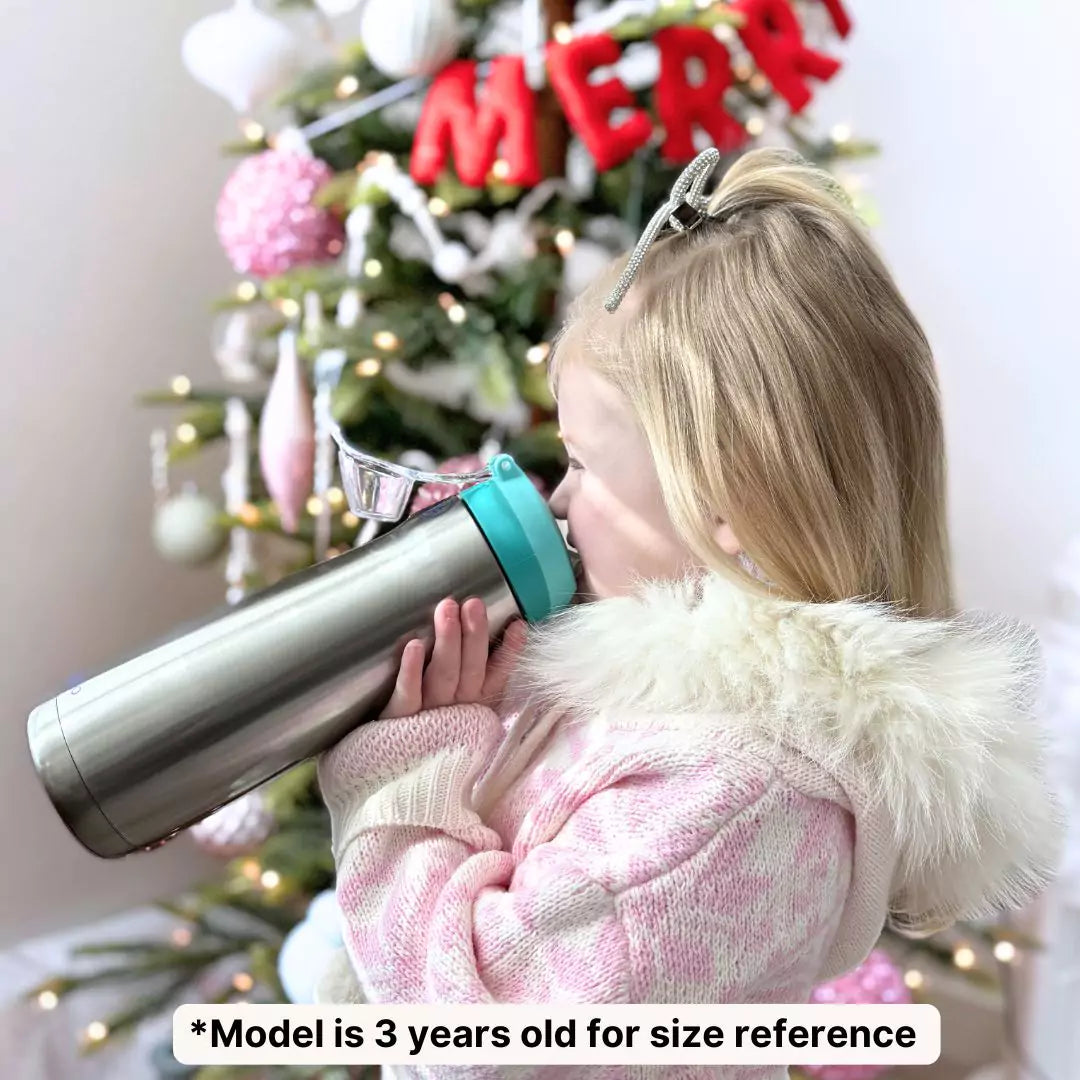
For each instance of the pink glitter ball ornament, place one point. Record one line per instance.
(267, 221)
(429, 494)
(876, 981)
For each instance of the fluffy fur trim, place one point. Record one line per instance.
(929, 726)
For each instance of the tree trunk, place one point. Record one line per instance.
(552, 130)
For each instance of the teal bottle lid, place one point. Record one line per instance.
(524, 537)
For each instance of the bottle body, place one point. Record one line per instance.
(141, 751)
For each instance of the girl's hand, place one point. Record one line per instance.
(459, 671)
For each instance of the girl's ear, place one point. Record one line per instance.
(726, 538)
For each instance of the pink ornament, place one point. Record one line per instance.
(267, 220)
(287, 436)
(876, 981)
(429, 494)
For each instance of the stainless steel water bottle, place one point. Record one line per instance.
(134, 755)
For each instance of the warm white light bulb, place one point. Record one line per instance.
(181, 386)
(964, 957)
(1005, 951)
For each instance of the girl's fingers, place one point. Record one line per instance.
(474, 649)
(444, 669)
(502, 663)
(406, 698)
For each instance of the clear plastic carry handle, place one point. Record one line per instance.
(379, 489)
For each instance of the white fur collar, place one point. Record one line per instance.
(933, 723)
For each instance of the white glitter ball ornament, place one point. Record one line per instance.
(237, 828)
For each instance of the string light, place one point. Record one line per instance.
(703, 5)
(501, 169)
(755, 125)
(247, 291)
(456, 314)
(314, 506)
(841, 133)
(742, 71)
(913, 979)
(964, 957)
(97, 1031)
(1005, 951)
(759, 84)
(334, 552)
(335, 247)
(251, 869)
(386, 340)
(564, 241)
(438, 207)
(537, 354)
(349, 520)
(348, 86)
(250, 516)
(446, 301)
(562, 33)
(243, 982)
(368, 368)
(181, 386)
(186, 433)
(181, 937)
(47, 1000)
(289, 308)
(254, 131)
(724, 32)
(270, 879)
(373, 268)
(335, 497)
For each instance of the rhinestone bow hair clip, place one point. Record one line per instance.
(684, 210)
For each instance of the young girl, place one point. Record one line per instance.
(768, 732)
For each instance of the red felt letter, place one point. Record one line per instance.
(588, 107)
(840, 18)
(681, 104)
(772, 33)
(451, 117)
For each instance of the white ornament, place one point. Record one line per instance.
(187, 530)
(236, 349)
(242, 54)
(409, 37)
(418, 459)
(309, 947)
(581, 266)
(336, 7)
(580, 170)
(237, 828)
(451, 262)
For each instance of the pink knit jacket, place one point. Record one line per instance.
(709, 795)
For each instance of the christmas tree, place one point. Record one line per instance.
(447, 178)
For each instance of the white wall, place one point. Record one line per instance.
(111, 169)
(110, 261)
(973, 102)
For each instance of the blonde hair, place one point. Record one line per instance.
(784, 386)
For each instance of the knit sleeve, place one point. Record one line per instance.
(435, 909)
